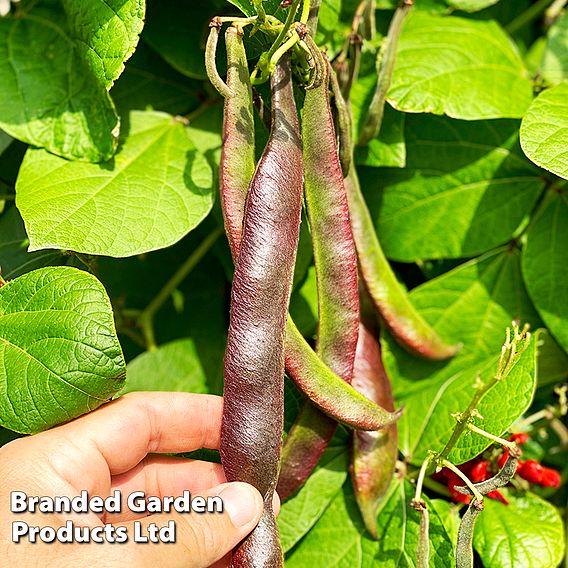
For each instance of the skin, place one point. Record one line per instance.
(336, 271)
(252, 426)
(116, 447)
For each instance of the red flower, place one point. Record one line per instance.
(521, 438)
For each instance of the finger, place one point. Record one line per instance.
(125, 430)
(163, 476)
(203, 539)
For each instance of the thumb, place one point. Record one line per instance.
(204, 538)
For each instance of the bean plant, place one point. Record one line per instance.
(349, 217)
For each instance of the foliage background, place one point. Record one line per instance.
(109, 149)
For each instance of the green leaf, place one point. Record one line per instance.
(181, 40)
(5, 141)
(335, 541)
(301, 512)
(175, 366)
(399, 526)
(466, 189)
(149, 83)
(105, 33)
(388, 148)
(14, 258)
(552, 361)
(48, 96)
(463, 68)
(544, 131)
(68, 361)
(554, 66)
(472, 304)
(528, 532)
(155, 190)
(545, 265)
(471, 5)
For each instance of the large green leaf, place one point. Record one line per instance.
(466, 189)
(471, 5)
(14, 258)
(339, 538)
(59, 353)
(399, 526)
(48, 95)
(180, 40)
(301, 512)
(175, 366)
(554, 66)
(336, 538)
(105, 33)
(387, 149)
(5, 141)
(528, 532)
(463, 68)
(545, 265)
(156, 189)
(148, 82)
(544, 131)
(472, 304)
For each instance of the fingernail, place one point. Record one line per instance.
(242, 502)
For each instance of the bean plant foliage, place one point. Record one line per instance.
(449, 119)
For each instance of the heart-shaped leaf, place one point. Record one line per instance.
(105, 33)
(59, 353)
(48, 95)
(463, 68)
(155, 190)
(544, 131)
(466, 189)
(472, 304)
(528, 532)
(545, 265)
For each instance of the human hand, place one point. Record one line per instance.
(115, 447)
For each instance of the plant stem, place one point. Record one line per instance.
(496, 439)
(526, 17)
(554, 12)
(509, 356)
(421, 477)
(313, 17)
(305, 12)
(477, 495)
(146, 318)
(284, 31)
(385, 67)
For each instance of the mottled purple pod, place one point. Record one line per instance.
(374, 454)
(252, 425)
(336, 271)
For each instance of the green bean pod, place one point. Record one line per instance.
(237, 164)
(390, 299)
(252, 425)
(311, 375)
(336, 274)
(374, 454)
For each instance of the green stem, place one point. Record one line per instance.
(421, 477)
(284, 31)
(509, 356)
(554, 12)
(496, 439)
(146, 318)
(385, 67)
(306, 6)
(477, 495)
(526, 17)
(313, 17)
